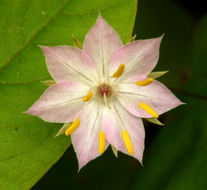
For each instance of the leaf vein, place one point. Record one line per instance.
(32, 38)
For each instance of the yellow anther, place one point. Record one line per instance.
(73, 127)
(145, 82)
(102, 142)
(88, 97)
(119, 71)
(148, 109)
(127, 141)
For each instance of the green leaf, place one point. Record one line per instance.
(63, 129)
(115, 151)
(48, 82)
(77, 43)
(27, 144)
(157, 74)
(154, 120)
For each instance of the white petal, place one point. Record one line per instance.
(139, 58)
(101, 43)
(112, 126)
(59, 103)
(67, 63)
(85, 139)
(156, 95)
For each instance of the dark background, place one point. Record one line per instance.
(170, 158)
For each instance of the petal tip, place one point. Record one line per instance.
(158, 39)
(179, 103)
(100, 18)
(44, 49)
(182, 103)
(162, 36)
(26, 112)
(141, 163)
(100, 15)
(81, 165)
(140, 159)
(42, 46)
(31, 111)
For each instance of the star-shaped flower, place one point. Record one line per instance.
(104, 90)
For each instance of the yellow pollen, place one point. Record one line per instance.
(102, 142)
(73, 127)
(148, 109)
(119, 71)
(145, 82)
(88, 97)
(127, 141)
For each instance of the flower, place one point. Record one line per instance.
(104, 90)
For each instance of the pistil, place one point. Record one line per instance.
(104, 89)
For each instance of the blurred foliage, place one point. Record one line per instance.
(178, 156)
(27, 144)
(165, 17)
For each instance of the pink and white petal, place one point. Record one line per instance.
(139, 57)
(112, 126)
(101, 43)
(156, 95)
(85, 139)
(59, 103)
(67, 63)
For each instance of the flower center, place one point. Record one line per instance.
(104, 89)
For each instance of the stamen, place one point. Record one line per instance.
(102, 142)
(119, 71)
(125, 134)
(73, 127)
(88, 97)
(145, 82)
(127, 141)
(148, 109)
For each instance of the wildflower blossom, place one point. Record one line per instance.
(104, 89)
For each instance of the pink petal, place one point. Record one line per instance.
(140, 57)
(156, 95)
(59, 103)
(85, 139)
(67, 63)
(113, 129)
(101, 43)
